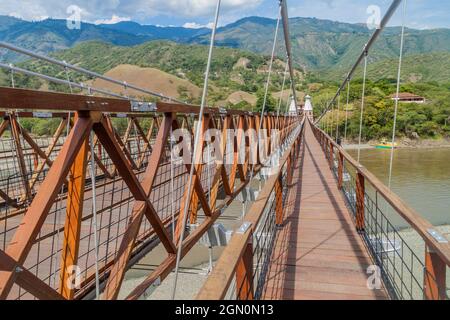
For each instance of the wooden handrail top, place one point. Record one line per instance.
(216, 286)
(414, 219)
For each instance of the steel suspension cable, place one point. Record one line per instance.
(387, 17)
(196, 146)
(394, 129)
(346, 110)
(94, 216)
(338, 117)
(282, 91)
(362, 107)
(266, 93)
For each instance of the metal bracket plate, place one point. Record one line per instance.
(137, 106)
(150, 289)
(437, 236)
(42, 115)
(243, 229)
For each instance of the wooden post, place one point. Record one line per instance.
(289, 169)
(74, 213)
(279, 201)
(331, 158)
(360, 195)
(435, 276)
(244, 275)
(341, 170)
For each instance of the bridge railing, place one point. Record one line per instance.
(46, 206)
(414, 265)
(241, 271)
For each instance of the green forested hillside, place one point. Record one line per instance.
(184, 61)
(429, 120)
(317, 44)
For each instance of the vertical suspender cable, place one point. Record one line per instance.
(71, 91)
(194, 155)
(402, 41)
(346, 110)
(94, 216)
(282, 91)
(362, 107)
(13, 84)
(266, 93)
(337, 117)
(172, 186)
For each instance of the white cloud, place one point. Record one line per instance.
(194, 25)
(94, 10)
(114, 19)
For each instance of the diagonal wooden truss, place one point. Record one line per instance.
(68, 171)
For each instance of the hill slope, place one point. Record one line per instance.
(149, 78)
(166, 67)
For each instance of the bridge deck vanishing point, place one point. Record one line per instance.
(318, 254)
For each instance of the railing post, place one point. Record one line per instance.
(434, 277)
(73, 223)
(279, 201)
(360, 195)
(244, 274)
(340, 170)
(331, 158)
(290, 169)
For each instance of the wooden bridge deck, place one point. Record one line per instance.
(318, 253)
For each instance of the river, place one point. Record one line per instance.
(421, 177)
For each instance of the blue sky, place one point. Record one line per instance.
(194, 13)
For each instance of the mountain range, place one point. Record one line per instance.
(318, 45)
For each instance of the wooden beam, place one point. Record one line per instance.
(33, 220)
(74, 213)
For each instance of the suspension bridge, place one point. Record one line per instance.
(306, 220)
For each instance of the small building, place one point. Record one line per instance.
(407, 97)
(308, 107)
(293, 111)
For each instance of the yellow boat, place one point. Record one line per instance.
(386, 145)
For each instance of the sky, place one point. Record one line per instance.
(421, 14)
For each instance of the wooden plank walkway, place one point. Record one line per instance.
(318, 254)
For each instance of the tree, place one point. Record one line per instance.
(271, 104)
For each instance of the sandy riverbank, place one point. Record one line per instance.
(403, 144)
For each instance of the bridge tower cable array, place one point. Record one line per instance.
(387, 17)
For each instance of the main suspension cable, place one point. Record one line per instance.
(402, 40)
(346, 110)
(362, 107)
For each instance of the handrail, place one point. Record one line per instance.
(417, 222)
(26, 99)
(217, 284)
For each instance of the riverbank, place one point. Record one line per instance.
(403, 144)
